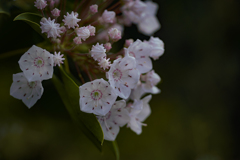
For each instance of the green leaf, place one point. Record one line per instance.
(31, 19)
(114, 147)
(2, 11)
(69, 92)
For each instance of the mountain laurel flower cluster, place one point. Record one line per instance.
(116, 83)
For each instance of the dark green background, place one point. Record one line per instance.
(196, 117)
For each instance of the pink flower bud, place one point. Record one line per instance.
(55, 12)
(92, 30)
(94, 8)
(108, 16)
(63, 29)
(83, 32)
(107, 46)
(114, 34)
(128, 42)
(40, 4)
(77, 40)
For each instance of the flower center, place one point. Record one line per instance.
(32, 84)
(117, 75)
(38, 62)
(132, 54)
(96, 94)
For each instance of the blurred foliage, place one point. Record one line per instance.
(195, 117)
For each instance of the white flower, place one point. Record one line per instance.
(98, 52)
(52, 29)
(104, 63)
(92, 30)
(94, 8)
(97, 97)
(55, 12)
(108, 16)
(157, 47)
(115, 118)
(114, 34)
(40, 4)
(36, 64)
(148, 25)
(71, 20)
(28, 92)
(123, 75)
(83, 32)
(151, 79)
(138, 112)
(57, 58)
(140, 51)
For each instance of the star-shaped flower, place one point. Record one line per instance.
(71, 20)
(57, 58)
(50, 27)
(98, 52)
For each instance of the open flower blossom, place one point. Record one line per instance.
(157, 47)
(97, 97)
(138, 112)
(71, 20)
(28, 92)
(140, 51)
(36, 64)
(50, 27)
(83, 33)
(40, 4)
(117, 117)
(108, 16)
(98, 52)
(86, 44)
(114, 34)
(123, 75)
(57, 58)
(104, 63)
